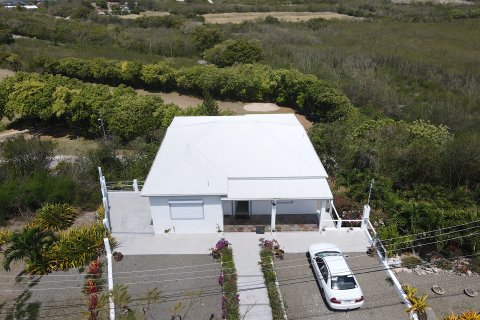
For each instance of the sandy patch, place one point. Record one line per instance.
(433, 1)
(145, 14)
(5, 73)
(11, 133)
(261, 107)
(239, 17)
(184, 101)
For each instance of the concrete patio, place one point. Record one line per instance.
(293, 242)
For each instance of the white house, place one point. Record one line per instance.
(211, 167)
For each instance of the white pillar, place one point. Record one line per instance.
(274, 215)
(320, 214)
(366, 216)
(110, 277)
(135, 185)
(106, 210)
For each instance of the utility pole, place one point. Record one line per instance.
(101, 124)
(370, 191)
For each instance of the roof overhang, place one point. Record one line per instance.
(278, 188)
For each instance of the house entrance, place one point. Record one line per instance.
(241, 209)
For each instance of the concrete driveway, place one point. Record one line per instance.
(187, 284)
(301, 292)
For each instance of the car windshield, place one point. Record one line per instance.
(343, 282)
(327, 254)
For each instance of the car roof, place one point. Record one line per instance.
(337, 265)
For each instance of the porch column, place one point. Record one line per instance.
(320, 214)
(274, 215)
(366, 216)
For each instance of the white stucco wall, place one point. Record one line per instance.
(212, 215)
(259, 207)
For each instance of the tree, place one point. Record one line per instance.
(206, 37)
(232, 52)
(102, 4)
(6, 36)
(56, 216)
(29, 244)
(209, 107)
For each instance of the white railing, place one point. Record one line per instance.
(382, 256)
(127, 185)
(339, 222)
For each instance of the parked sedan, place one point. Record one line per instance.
(337, 282)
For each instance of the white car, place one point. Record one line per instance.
(337, 282)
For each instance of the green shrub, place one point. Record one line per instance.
(410, 260)
(56, 216)
(232, 52)
(266, 263)
(77, 247)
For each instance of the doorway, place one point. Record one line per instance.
(241, 209)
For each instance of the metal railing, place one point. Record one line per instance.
(127, 185)
(339, 222)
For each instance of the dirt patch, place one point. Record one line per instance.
(261, 107)
(432, 1)
(145, 14)
(85, 218)
(11, 133)
(237, 107)
(5, 73)
(239, 17)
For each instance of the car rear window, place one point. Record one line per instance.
(327, 254)
(343, 282)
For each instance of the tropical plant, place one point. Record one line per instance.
(5, 236)
(77, 247)
(56, 216)
(31, 244)
(469, 315)
(419, 304)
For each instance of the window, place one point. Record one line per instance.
(284, 201)
(323, 269)
(343, 282)
(186, 209)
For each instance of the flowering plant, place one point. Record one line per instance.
(217, 251)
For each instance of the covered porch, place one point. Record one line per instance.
(284, 222)
(276, 204)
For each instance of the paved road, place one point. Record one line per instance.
(302, 294)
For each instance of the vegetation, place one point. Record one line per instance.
(227, 279)
(231, 52)
(55, 216)
(467, 315)
(419, 304)
(305, 93)
(268, 251)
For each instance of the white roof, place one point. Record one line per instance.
(249, 156)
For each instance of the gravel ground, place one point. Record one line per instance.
(195, 288)
(454, 299)
(302, 296)
(55, 296)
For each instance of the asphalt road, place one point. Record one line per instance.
(301, 292)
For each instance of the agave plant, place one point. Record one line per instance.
(56, 216)
(450, 317)
(30, 244)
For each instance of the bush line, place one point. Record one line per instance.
(274, 295)
(308, 95)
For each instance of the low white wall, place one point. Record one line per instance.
(212, 209)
